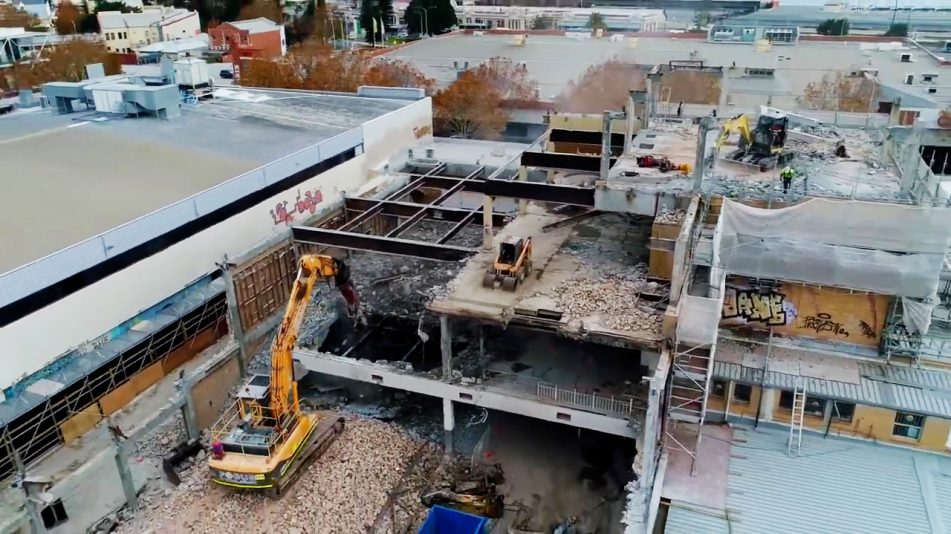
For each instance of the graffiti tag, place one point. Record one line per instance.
(422, 131)
(867, 330)
(755, 306)
(822, 322)
(306, 204)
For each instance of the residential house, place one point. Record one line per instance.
(125, 32)
(258, 37)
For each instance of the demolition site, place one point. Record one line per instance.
(648, 325)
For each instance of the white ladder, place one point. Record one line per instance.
(796, 419)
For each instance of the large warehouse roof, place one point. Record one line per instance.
(74, 176)
(554, 61)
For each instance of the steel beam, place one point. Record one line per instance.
(367, 214)
(416, 183)
(540, 191)
(385, 245)
(571, 162)
(410, 221)
(408, 209)
(466, 221)
(583, 137)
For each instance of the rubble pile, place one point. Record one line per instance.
(667, 216)
(342, 492)
(160, 441)
(613, 299)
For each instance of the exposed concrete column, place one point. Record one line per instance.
(487, 222)
(125, 473)
(767, 404)
(445, 345)
(706, 124)
(234, 318)
(189, 414)
(482, 362)
(631, 117)
(522, 177)
(605, 145)
(449, 425)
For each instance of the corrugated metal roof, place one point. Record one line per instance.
(900, 388)
(835, 485)
(690, 519)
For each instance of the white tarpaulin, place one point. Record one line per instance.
(884, 248)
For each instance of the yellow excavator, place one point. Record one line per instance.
(265, 441)
(763, 146)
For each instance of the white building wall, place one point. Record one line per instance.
(182, 28)
(407, 126)
(34, 341)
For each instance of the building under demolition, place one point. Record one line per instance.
(625, 326)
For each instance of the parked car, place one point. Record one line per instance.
(226, 74)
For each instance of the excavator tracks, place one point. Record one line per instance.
(330, 427)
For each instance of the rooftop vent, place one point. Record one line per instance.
(905, 57)
(909, 79)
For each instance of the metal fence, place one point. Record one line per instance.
(623, 406)
(46, 271)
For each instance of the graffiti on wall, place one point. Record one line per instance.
(754, 305)
(306, 203)
(806, 311)
(422, 131)
(823, 322)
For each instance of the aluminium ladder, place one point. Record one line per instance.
(796, 418)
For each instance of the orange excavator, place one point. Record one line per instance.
(265, 440)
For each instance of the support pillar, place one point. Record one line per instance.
(706, 124)
(445, 346)
(482, 361)
(522, 203)
(189, 414)
(767, 401)
(487, 222)
(449, 425)
(605, 145)
(125, 473)
(234, 317)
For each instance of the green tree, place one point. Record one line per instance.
(542, 22)
(596, 21)
(899, 29)
(370, 12)
(833, 27)
(439, 14)
(90, 23)
(700, 19)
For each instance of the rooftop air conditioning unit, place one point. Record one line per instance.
(932, 90)
(909, 79)
(905, 57)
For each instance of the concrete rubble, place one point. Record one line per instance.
(613, 299)
(668, 216)
(342, 492)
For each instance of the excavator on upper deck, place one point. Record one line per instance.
(763, 146)
(265, 441)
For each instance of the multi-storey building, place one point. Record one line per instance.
(126, 32)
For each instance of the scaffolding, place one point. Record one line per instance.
(35, 427)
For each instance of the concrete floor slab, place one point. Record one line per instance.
(603, 251)
(707, 486)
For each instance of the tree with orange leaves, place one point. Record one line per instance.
(470, 107)
(509, 79)
(11, 17)
(601, 87)
(68, 18)
(269, 9)
(396, 73)
(66, 62)
(269, 73)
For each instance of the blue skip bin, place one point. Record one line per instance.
(442, 520)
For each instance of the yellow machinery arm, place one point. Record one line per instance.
(310, 268)
(739, 124)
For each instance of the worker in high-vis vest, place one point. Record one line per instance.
(787, 175)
